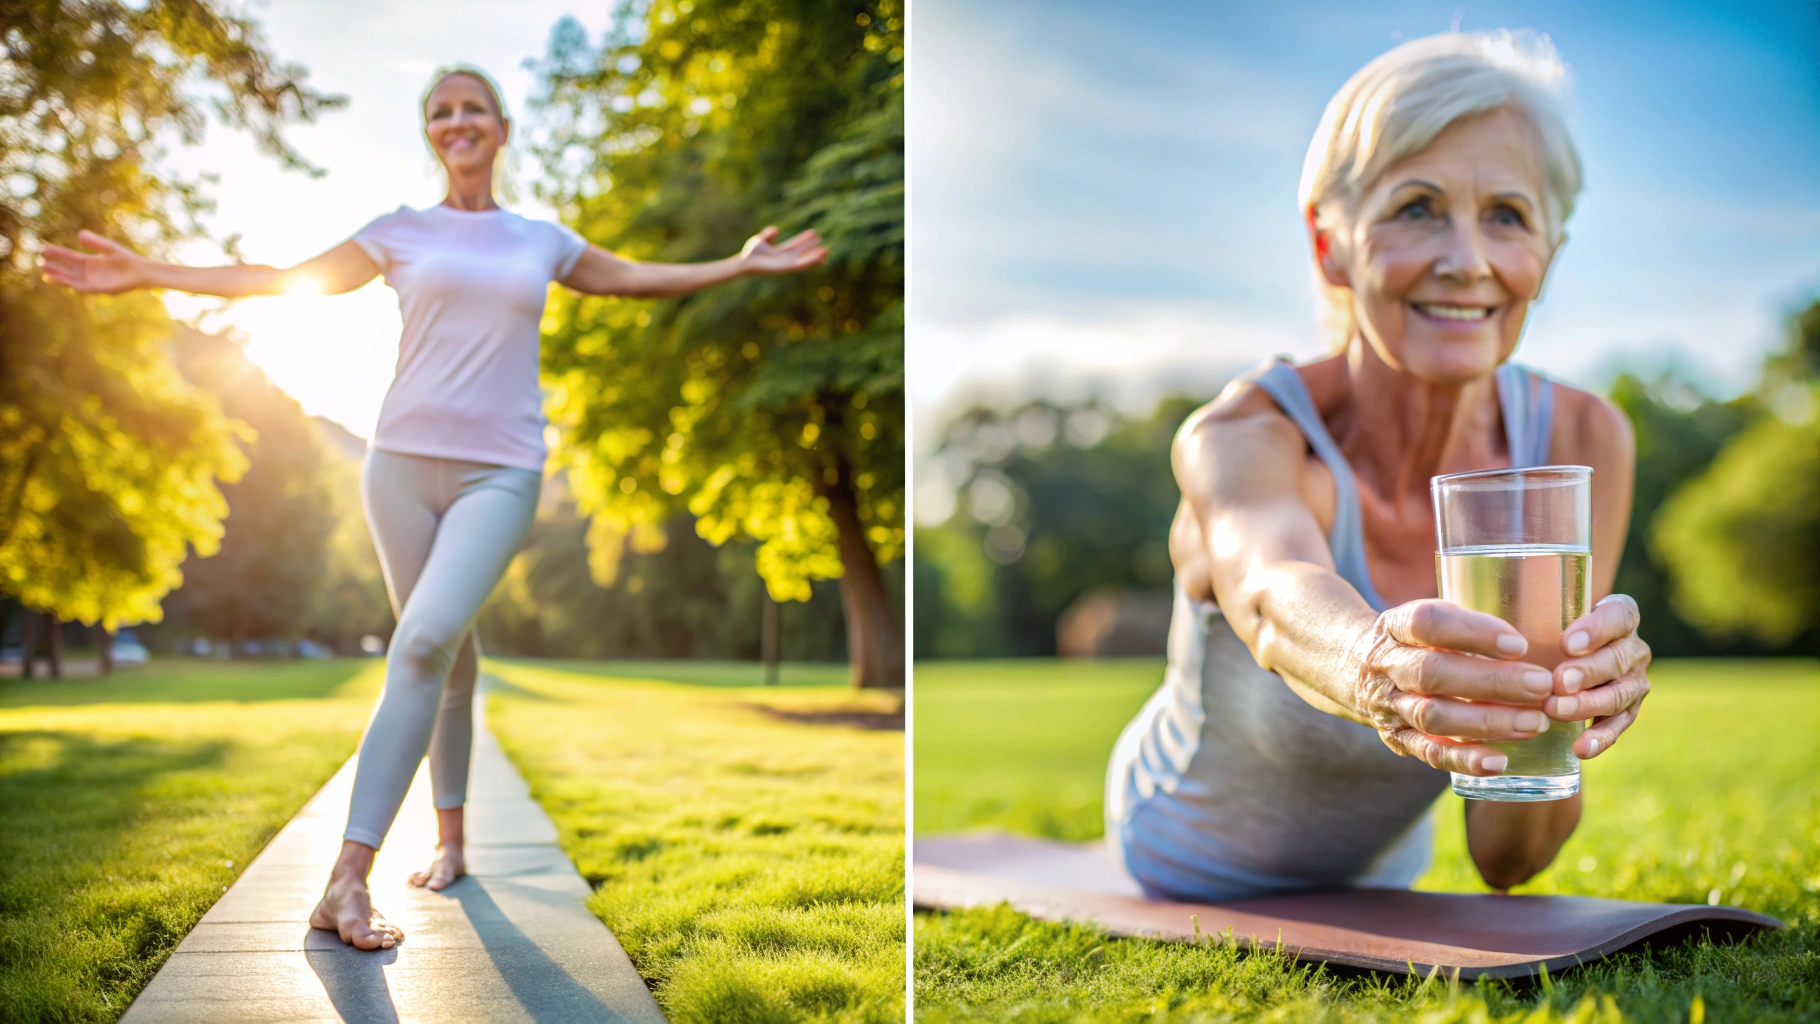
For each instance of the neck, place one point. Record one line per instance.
(1398, 431)
(471, 192)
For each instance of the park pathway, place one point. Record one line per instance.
(511, 942)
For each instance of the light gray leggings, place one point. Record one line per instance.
(445, 530)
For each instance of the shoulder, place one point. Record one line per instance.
(560, 232)
(1243, 424)
(401, 217)
(1590, 430)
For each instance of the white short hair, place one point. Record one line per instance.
(1395, 106)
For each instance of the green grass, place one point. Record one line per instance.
(751, 865)
(1711, 796)
(699, 673)
(129, 804)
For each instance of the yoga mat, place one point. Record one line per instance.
(1392, 930)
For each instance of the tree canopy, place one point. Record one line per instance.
(768, 409)
(274, 557)
(108, 458)
(1741, 541)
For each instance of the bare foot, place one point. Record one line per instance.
(347, 909)
(444, 870)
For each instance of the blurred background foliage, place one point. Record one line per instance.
(771, 409)
(1040, 506)
(744, 439)
(109, 460)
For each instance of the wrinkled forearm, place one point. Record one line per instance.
(1305, 623)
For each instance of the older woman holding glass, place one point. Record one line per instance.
(1318, 693)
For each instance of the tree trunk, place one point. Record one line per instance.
(875, 639)
(54, 630)
(106, 644)
(28, 641)
(770, 639)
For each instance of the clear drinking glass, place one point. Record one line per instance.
(1516, 543)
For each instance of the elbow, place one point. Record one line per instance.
(1508, 869)
(1512, 843)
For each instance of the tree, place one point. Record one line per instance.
(264, 580)
(771, 409)
(1679, 431)
(1052, 503)
(108, 458)
(689, 600)
(351, 601)
(1741, 541)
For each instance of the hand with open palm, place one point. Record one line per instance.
(110, 270)
(763, 255)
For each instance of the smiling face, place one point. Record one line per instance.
(463, 124)
(1444, 253)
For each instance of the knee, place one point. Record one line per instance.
(426, 653)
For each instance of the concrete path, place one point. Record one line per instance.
(512, 942)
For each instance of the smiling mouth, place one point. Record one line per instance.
(1457, 314)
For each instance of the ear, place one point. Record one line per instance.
(1321, 241)
(505, 127)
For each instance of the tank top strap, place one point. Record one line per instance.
(1527, 400)
(1346, 539)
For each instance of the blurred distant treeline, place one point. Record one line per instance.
(1053, 503)
(296, 561)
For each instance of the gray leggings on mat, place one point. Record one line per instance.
(445, 530)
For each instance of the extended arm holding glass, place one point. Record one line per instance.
(1438, 682)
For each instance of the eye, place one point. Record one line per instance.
(1416, 209)
(1509, 216)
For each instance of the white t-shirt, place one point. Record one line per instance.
(471, 287)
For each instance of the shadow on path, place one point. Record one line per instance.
(355, 982)
(876, 721)
(540, 984)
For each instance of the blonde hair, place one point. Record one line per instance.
(448, 71)
(1395, 106)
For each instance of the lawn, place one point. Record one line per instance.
(1710, 797)
(131, 803)
(745, 843)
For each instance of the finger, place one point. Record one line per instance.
(102, 242)
(1435, 623)
(768, 234)
(1449, 755)
(1610, 619)
(1435, 673)
(1627, 654)
(1599, 737)
(799, 240)
(1600, 701)
(1445, 716)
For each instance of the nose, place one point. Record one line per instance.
(1462, 258)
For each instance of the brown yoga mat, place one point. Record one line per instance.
(1390, 930)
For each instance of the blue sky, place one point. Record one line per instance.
(1108, 190)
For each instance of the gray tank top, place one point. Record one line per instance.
(1227, 784)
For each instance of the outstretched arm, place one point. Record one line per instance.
(112, 268)
(600, 272)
